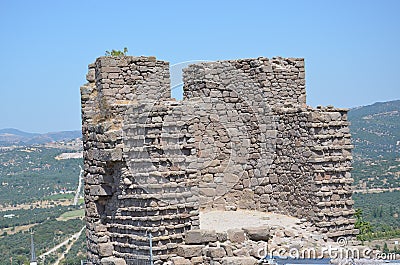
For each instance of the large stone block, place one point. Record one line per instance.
(197, 260)
(115, 154)
(180, 261)
(90, 75)
(112, 260)
(100, 190)
(200, 236)
(239, 261)
(261, 233)
(236, 235)
(106, 249)
(189, 251)
(216, 252)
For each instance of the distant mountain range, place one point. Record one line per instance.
(12, 136)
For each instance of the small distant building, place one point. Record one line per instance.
(9, 215)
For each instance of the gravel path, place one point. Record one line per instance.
(75, 202)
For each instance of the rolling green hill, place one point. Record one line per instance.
(376, 137)
(376, 129)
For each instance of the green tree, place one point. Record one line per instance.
(364, 227)
(385, 248)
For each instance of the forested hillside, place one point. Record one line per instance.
(37, 187)
(31, 173)
(376, 137)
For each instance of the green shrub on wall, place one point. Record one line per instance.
(117, 52)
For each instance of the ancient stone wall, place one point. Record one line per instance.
(131, 188)
(331, 164)
(242, 138)
(239, 137)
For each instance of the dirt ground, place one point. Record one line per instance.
(224, 220)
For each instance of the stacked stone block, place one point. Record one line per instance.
(264, 130)
(127, 194)
(331, 163)
(242, 138)
(235, 246)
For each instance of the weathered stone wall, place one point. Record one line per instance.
(126, 192)
(256, 140)
(331, 164)
(242, 138)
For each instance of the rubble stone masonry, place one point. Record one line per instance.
(242, 138)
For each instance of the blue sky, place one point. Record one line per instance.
(351, 47)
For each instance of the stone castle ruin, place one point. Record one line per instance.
(242, 138)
